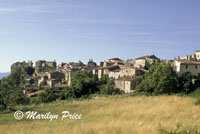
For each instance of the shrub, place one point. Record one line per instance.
(107, 86)
(83, 83)
(160, 79)
(47, 96)
(19, 98)
(186, 82)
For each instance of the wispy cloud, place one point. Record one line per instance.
(40, 8)
(136, 33)
(34, 9)
(95, 21)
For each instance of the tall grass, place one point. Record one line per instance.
(112, 115)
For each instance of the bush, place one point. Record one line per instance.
(18, 98)
(83, 83)
(186, 83)
(195, 94)
(160, 79)
(47, 96)
(107, 86)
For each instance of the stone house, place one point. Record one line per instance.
(112, 62)
(51, 78)
(44, 63)
(141, 61)
(55, 78)
(197, 53)
(182, 66)
(127, 83)
(111, 71)
(21, 64)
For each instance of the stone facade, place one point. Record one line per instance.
(197, 53)
(44, 63)
(141, 61)
(21, 64)
(128, 84)
(182, 66)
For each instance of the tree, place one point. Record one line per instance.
(160, 79)
(187, 82)
(11, 87)
(107, 86)
(47, 96)
(17, 97)
(17, 77)
(6, 89)
(83, 83)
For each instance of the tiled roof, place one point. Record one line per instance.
(189, 62)
(115, 59)
(148, 56)
(129, 78)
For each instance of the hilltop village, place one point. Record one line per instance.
(127, 74)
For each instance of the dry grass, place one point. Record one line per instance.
(123, 115)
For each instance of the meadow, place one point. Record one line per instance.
(109, 115)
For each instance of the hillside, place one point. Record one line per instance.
(5, 74)
(113, 115)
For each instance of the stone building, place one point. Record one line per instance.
(197, 53)
(127, 83)
(51, 78)
(55, 78)
(21, 64)
(44, 63)
(141, 61)
(112, 62)
(182, 66)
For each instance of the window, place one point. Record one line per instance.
(196, 67)
(186, 66)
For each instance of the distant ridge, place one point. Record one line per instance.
(4, 74)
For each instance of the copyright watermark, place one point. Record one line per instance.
(18, 115)
(34, 115)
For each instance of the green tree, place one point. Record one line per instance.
(83, 83)
(159, 79)
(107, 86)
(17, 97)
(11, 89)
(47, 96)
(186, 82)
(6, 90)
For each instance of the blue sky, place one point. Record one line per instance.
(72, 30)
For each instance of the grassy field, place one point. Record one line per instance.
(112, 115)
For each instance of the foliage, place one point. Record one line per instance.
(17, 77)
(186, 82)
(160, 79)
(45, 69)
(17, 97)
(83, 83)
(107, 86)
(147, 65)
(47, 96)
(80, 63)
(43, 83)
(11, 89)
